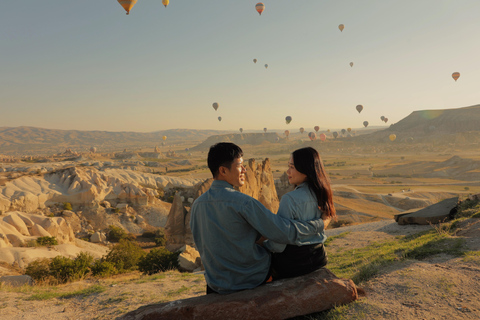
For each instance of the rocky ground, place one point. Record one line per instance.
(441, 287)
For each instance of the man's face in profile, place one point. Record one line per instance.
(235, 175)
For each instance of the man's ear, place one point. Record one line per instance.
(222, 171)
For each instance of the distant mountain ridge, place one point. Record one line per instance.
(31, 140)
(458, 125)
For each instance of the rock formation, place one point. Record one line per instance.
(436, 213)
(17, 228)
(177, 229)
(260, 185)
(318, 291)
(86, 186)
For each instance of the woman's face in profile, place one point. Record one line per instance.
(294, 177)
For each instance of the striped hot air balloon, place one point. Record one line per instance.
(127, 4)
(312, 136)
(260, 7)
(341, 27)
(316, 128)
(456, 75)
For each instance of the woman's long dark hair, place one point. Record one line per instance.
(308, 161)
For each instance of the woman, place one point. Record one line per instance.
(312, 198)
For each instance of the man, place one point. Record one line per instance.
(226, 223)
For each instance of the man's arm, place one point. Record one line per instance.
(280, 229)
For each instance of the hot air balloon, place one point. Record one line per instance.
(365, 123)
(165, 2)
(359, 108)
(215, 106)
(288, 119)
(323, 137)
(385, 120)
(264, 129)
(254, 60)
(343, 131)
(455, 75)
(266, 66)
(164, 138)
(328, 130)
(382, 118)
(341, 27)
(335, 134)
(219, 118)
(302, 130)
(349, 129)
(93, 149)
(312, 136)
(351, 64)
(392, 137)
(260, 7)
(316, 128)
(241, 130)
(287, 133)
(127, 4)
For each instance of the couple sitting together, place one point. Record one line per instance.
(228, 226)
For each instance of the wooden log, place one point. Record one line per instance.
(318, 291)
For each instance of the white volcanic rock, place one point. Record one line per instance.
(98, 237)
(17, 228)
(38, 231)
(17, 222)
(85, 186)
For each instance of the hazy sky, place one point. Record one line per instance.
(85, 65)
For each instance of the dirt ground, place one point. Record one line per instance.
(441, 287)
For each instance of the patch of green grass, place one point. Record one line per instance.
(46, 295)
(472, 256)
(338, 236)
(177, 292)
(84, 292)
(53, 293)
(154, 277)
(364, 263)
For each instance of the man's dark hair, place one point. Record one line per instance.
(222, 154)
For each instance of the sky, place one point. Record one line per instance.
(86, 65)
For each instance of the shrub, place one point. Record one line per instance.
(83, 263)
(160, 239)
(64, 269)
(47, 241)
(102, 268)
(67, 206)
(125, 255)
(39, 269)
(170, 199)
(116, 234)
(157, 260)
